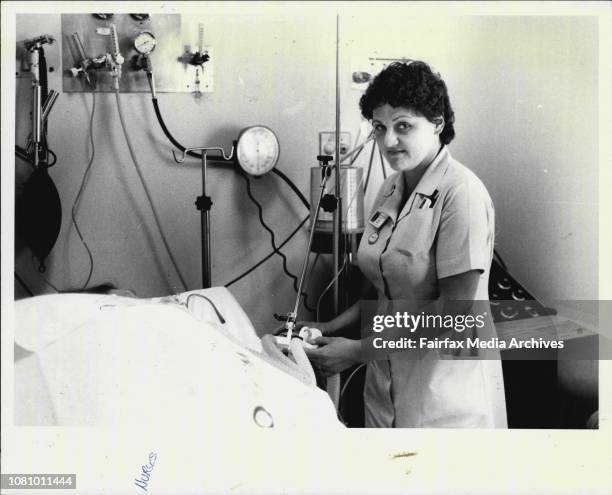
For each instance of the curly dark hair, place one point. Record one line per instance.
(411, 85)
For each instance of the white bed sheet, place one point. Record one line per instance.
(94, 360)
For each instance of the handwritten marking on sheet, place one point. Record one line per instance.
(145, 473)
(403, 454)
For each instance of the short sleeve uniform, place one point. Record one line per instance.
(444, 228)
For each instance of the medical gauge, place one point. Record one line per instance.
(257, 150)
(145, 42)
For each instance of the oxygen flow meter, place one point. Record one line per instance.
(257, 150)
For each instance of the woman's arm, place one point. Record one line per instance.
(336, 354)
(461, 287)
(345, 319)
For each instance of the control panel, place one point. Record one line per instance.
(122, 48)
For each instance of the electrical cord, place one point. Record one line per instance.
(263, 260)
(50, 284)
(273, 240)
(350, 377)
(146, 190)
(216, 159)
(327, 288)
(217, 312)
(23, 284)
(50, 152)
(83, 181)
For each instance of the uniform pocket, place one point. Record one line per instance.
(415, 232)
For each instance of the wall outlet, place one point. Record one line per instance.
(327, 143)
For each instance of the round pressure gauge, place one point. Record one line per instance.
(145, 42)
(257, 150)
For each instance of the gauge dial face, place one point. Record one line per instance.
(257, 150)
(145, 42)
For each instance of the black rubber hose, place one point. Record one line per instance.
(294, 187)
(216, 159)
(273, 242)
(174, 141)
(263, 260)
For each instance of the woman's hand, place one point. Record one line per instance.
(323, 326)
(335, 354)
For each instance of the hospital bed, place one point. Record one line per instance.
(186, 380)
(90, 359)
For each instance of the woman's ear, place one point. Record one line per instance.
(439, 123)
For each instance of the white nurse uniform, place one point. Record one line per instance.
(445, 227)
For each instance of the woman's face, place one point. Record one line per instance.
(407, 139)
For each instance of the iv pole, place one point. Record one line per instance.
(337, 214)
(204, 204)
(333, 382)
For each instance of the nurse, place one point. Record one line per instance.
(429, 241)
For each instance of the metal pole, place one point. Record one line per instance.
(204, 204)
(205, 228)
(337, 216)
(36, 103)
(324, 177)
(333, 382)
(36, 122)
